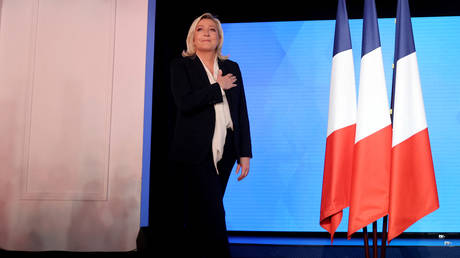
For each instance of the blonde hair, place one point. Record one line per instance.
(191, 50)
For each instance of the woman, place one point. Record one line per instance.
(212, 132)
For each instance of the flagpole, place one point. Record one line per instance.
(384, 237)
(385, 219)
(366, 242)
(374, 236)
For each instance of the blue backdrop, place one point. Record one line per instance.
(286, 70)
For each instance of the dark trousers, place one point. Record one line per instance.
(205, 231)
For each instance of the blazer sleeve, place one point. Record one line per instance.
(186, 98)
(245, 134)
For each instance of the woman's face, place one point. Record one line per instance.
(206, 36)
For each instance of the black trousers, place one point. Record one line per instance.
(205, 231)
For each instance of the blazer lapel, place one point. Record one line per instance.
(199, 72)
(228, 93)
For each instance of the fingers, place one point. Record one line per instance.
(231, 80)
(227, 81)
(244, 165)
(244, 173)
(230, 77)
(228, 85)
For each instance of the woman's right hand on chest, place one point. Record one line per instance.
(227, 81)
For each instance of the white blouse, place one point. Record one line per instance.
(223, 118)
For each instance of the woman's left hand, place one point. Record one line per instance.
(244, 165)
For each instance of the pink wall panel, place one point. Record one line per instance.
(70, 100)
(71, 92)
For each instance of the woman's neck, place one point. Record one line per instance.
(206, 57)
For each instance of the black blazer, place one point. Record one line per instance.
(195, 97)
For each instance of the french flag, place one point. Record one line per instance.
(341, 127)
(413, 191)
(369, 196)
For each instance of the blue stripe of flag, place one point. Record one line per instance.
(342, 39)
(371, 37)
(404, 44)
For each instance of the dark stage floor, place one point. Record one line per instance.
(252, 247)
(261, 251)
